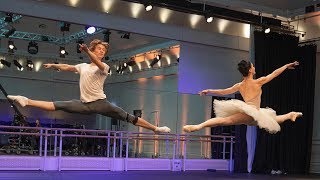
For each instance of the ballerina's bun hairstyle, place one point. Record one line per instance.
(243, 67)
(95, 42)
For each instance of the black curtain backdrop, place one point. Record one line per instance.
(290, 149)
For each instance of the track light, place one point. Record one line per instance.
(90, 29)
(126, 36)
(267, 30)
(6, 63)
(11, 46)
(132, 62)
(10, 32)
(159, 56)
(8, 18)
(33, 47)
(29, 65)
(154, 61)
(19, 66)
(208, 16)
(119, 69)
(148, 7)
(63, 52)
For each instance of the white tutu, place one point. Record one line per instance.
(265, 117)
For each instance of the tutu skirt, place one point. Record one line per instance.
(265, 117)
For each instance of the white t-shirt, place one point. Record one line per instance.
(91, 82)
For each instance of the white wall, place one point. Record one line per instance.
(203, 67)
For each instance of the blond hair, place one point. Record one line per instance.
(95, 42)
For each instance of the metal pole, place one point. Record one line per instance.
(120, 144)
(108, 147)
(224, 148)
(40, 146)
(45, 149)
(60, 152)
(231, 158)
(55, 143)
(114, 145)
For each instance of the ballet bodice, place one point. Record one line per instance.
(256, 101)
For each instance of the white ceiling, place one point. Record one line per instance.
(285, 8)
(277, 4)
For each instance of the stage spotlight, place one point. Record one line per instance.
(154, 61)
(33, 47)
(126, 36)
(19, 66)
(6, 63)
(29, 65)
(10, 32)
(148, 7)
(63, 52)
(209, 19)
(132, 62)
(8, 18)
(124, 67)
(159, 56)
(90, 29)
(11, 46)
(119, 69)
(267, 30)
(208, 16)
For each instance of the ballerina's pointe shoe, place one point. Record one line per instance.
(163, 129)
(295, 115)
(23, 101)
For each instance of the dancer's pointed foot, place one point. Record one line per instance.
(295, 115)
(163, 129)
(190, 128)
(23, 101)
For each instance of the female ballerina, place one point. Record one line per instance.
(236, 112)
(92, 97)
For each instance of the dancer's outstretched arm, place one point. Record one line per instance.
(277, 72)
(227, 91)
(62, 67)
(93, 57)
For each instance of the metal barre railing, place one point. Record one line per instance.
(179, 141)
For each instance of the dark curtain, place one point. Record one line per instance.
(289, 150)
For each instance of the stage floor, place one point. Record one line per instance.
(141, 175)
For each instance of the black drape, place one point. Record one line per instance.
(290, 149)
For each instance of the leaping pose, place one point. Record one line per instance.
(92, 97)
(248, 112)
